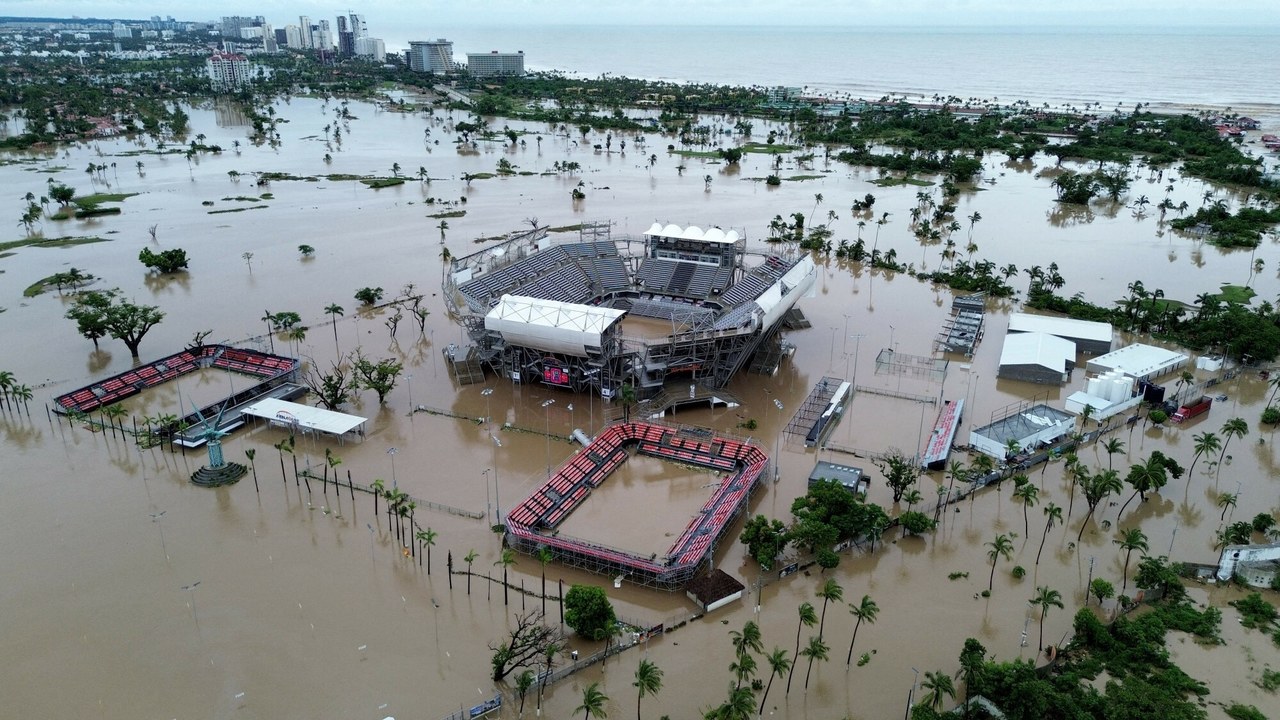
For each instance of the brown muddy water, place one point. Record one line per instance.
(305, 606)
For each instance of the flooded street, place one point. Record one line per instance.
(305, 605)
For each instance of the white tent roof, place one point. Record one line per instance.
(1060, 326)
(304, 416)
(1035, 348)
(1139, 361)
(550, 324)
(693, 232)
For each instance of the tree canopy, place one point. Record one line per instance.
(101, 313)
(588, 612)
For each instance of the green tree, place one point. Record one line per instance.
(808, 618)
(427, 538)
(588, 612)
(765, 540)
(1235, 427)
(524, 681)
(739, 706)
(830, 591)
(593, 700)
(973, 658)
(1096, 486)
(1001, 546)
(900, 472)
(334, 311)
(1102, 589)
(108, 313)
(544, 558)
(468, 559)
(1027, 494)
(506, 560)
(1045, 598)
(648, 681)
(379, 377)
(1052, 515)
(778, 663)
(866, 610)
(1112, 446)
(815, 650)
(369, 296)
(165, 261)
(939, 685)
(1130, 539)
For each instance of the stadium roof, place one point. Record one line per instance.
(1060, 326)
(295, 415)
(551, 325)
(693, 232)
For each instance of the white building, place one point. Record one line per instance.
(269, 39)
(228, 71)
(1141, 362)
(1037, 357)
(121, 31)
(431, 56)
(495, 63)
(372, 48)
(304, 24)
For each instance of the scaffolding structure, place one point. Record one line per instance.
(811, 410)
(963, 329)
(889, 362)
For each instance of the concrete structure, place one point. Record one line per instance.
(228, 71)
(304, 27)
(1030, 426)
(1108, 394)
(372, 48)
(853, 479)
(293, 37)
(1090, 338)
(714, 591)
(1140, 362)
(346, 38)
(1257, 565)
(431, 56)
(1037, 357)
(121, 31)
(269, 44)
(492, 64)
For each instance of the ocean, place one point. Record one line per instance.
(1172, 67)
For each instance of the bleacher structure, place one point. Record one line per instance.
(537, 311)
(276, 376)
(533, 524)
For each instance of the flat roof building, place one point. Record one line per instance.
(1138, 361)
(1091, 338)
(1028, 427)
(494, 64)
(1037, 357)
(431, 56)
(228, 71)
(852, 478)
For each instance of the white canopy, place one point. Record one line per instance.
(1060, 326)
(693, 232)
(551, 325)
(304, 417)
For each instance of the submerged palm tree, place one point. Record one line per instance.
(778, 664)
(938, 684)
(829, 591)
(1000, 547)
(865, 610)
(1045, 597)
(1130, 540)
(1206, 442)
(808, 618)
(815, 650)
(593, 701)
(648, 681)
(1052, 515)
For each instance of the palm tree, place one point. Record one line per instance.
(1145, 477)
(593, 701)
(395, 169)
(1097, 487)
(1029, 495)
(334, 311)
(1053, 515)
(1045, 597)
(1130, 540)
(1226, 501)
(444, 225)
(778, 664)
(507, 560)
(738, 707)
(1112, 446)
(1235, 427)
(524, 681)
(742, 668)
(470, 558)
(648, 681)
(815, 650)
(808, 618)
(1206, 442)
(829, 591)
(747, 641)
(427, 538)
(1000, 547)
(939, 684)
(865, 610)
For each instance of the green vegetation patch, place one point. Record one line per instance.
(801, 178)
(96, 211)
(766, 148)
(1243, 229)
(448, 214)
(898, 181)
(271, 176)
(244, 198)
(239, 209)
(1236, 294)
(96, 199)
(565, 228)
(51, 242)
(378, 183)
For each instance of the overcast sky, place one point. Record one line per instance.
(459, 13)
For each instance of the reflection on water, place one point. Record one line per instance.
(303, 610)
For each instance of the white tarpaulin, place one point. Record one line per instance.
(304, 417)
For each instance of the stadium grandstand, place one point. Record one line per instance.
(533, 524)
(584, 316)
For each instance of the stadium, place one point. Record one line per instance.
(589, 317)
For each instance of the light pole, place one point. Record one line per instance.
(831, 359)
(487, 507)
(409, 380)
(192, 590)
(155, 518)
(392, 452)
(370, 541)
(570, 408)
(486, 393)
(891, 332)
(911, 696)
(497, 497)
(546, 405)
(844, 344)
(857, 346)
(777, 442)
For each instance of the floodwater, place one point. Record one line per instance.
(305, 605)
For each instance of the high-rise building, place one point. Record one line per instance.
(269, 40)
(282, 38)
(304, 24)
(293, 37)
(346, 39)
(121, 31)
(228, 71)
(431, 56)
(371, 48)
(495, 63)
(232, 24)
(358, 26)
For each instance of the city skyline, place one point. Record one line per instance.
(1255, 14)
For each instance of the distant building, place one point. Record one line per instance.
(293, 37)
(269, 40)
(304, 24)
(228, 71)
(231, 25)
(431, 56)
(358, 26)
(121, 31)
(346, 39)
(372, 48)
(282, 38)
(495, 63)
(1037, 357)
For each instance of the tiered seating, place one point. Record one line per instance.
(679, 283)
(738, 317)
(489, 286)
(656, 273)
(253, 363)
(565, 284)
(756, 282)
